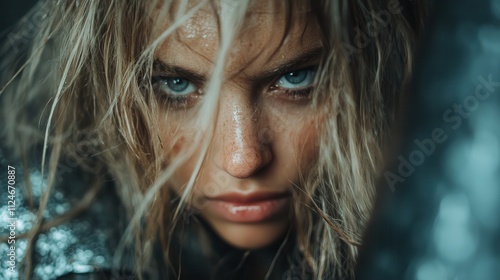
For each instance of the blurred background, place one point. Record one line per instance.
(10, 12)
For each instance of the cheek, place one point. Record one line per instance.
(175, 139)
(174, 149)
(306, 143)
(295, 140)
(175, 133)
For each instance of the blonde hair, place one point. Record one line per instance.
(88, 71)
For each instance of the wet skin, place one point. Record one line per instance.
(265, 131)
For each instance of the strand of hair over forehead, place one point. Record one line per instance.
(231, 18)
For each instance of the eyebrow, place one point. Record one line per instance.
(163, 68)
(310, 56)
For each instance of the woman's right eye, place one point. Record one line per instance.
(176, 91)
(175, 86)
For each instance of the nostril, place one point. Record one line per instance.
(245, 162)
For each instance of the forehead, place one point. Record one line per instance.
(269, 30)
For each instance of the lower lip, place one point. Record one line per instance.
(252, 212)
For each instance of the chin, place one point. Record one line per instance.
(248, 236)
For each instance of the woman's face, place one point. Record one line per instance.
(265, 134)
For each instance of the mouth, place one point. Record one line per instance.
(249, 208)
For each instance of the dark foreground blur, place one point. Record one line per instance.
(438, 215)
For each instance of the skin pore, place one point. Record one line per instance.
(265, 134)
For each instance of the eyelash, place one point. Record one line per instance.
(179, 101)
(299, 93)
(190, 99)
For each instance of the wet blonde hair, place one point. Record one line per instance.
(87, 71)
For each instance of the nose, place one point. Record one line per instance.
(243, 153)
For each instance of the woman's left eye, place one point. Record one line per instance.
(298, 79)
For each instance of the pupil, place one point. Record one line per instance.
(178, 84)
(296, 77)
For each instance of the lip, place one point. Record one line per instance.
(249, 208)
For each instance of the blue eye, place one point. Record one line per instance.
(175, 86)
(297, 79)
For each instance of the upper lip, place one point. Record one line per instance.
(250, 197)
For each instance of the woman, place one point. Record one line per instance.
(241, 138)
